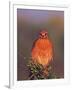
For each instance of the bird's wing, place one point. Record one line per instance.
(52, 50)
(34, 44)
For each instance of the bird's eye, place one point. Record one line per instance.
(45, 33)
(40, 34)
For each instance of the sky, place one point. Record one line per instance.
(38, 16)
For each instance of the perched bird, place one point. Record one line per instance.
(42, 49)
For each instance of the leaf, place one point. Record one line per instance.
(37, 71)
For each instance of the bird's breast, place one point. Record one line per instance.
(43, 44)
(42, 51)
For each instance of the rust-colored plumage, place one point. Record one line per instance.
(42, 50)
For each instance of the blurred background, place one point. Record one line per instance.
(29, 24)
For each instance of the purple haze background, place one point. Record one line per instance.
(29, 24)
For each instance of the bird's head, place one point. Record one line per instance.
(43, 34)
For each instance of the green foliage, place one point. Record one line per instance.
(37, 71)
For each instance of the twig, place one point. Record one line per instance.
(30, 76)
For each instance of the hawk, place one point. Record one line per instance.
(42, 49)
